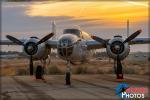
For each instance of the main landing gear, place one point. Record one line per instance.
(118, 68)
(39, 72)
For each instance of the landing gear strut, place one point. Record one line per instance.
(68, 73)
(118, 69)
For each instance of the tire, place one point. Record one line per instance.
(68, 75)
(119, 76)
(39, 72)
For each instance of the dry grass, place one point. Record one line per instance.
(20, 67)
(54, 70)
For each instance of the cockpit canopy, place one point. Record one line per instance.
(34, 37)
(117, 36)
(72, 31)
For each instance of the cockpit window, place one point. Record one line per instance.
(72, 31)
(34, 37)
(65, 47)
(65, 42)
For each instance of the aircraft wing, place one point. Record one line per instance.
(92, 44)
(8, 42)
(49, 43)
(140, 41)
(52, 43)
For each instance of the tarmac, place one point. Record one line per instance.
(83, 87)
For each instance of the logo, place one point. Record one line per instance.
(125, 91)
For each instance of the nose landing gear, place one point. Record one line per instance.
(68, 73)
(68, 76)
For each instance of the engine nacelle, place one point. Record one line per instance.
(37, 51)
(117, 47)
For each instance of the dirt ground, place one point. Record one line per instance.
(57, 66)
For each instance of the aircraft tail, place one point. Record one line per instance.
(54, 29)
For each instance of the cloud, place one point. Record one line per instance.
(112, 12)
(145, 4)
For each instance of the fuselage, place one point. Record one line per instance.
(72, 46)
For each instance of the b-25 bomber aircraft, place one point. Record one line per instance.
(75, 45)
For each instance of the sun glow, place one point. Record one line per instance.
(111, 12)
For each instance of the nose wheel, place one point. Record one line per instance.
(68, 74)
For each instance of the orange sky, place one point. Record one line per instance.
(113, 13)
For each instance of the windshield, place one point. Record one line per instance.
(72, 31)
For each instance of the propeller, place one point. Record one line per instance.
(132, 36)
(31, 65)
(98, 39)
(115, 69)
(45, 38)
(17, 41)
(119, 66)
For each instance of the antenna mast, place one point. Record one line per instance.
(128, 28)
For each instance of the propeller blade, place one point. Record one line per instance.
(98, 39)
(31, 65)
(45, 38)
(132, 36)
(119, 68)
(115, 69)
(15, 40)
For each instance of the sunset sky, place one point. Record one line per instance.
(112, 13)
(104, 18)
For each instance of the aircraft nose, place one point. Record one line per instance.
(64, 43)
(65, 47)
